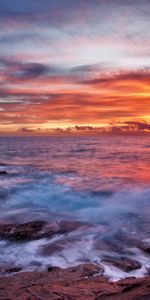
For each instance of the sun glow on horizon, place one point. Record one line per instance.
(90, 69)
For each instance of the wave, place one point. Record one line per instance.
(102, 183)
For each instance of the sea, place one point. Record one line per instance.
(102, 182)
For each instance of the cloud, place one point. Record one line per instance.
(124, 76)
(79, 107)
(130, 126)
(21, 70)
(125, 127)
(90, 68)
(32, 70)
(74, 60)
(98, 17)
(87, 128)
(138, 125)
(24, 129)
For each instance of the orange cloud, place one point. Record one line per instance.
(123, 97)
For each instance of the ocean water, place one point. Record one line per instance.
(103, 182)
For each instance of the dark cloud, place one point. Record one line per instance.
(32, 70)
(130, 126)
(140, 75)
(14, 70)
(58, 12)
(34, 6)
(17, 70)
(81, 128)
(24, 129)
(90, 68)
(112, 128)
(87, 128)
(138, 125)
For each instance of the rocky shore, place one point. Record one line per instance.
(83, 282)
(86, 281)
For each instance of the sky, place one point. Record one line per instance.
(74, 65)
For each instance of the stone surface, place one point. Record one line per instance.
(145, 247)
(73, 283)
(4, 269)
(37, 229)
(124, 263)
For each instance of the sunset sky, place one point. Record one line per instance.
(74, 64)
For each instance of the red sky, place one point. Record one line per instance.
(74, 65)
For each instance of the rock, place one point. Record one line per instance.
(14, 270)
(37, 229)
(132, 241)
(3, 173)
(76, 283)
(81, 271)
(9, 269)
(68, 226)
(89, 269)
(60, 227)
(127, 240)
(24, 231)
(53, 269)
(50, 249)
(145, 247)
(124, 263)
(108, 243)
(86, 270)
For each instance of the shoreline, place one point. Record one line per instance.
(51, 243)
(85, 281)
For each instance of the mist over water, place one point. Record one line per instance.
(102, 182)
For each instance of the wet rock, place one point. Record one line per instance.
(126, 239)
(108, 243)
(124, 263)
(53, 269)
(21, 231)
(14, 270)
(132, 241)
(61, 227)
(145, 247)
(37, 229)
(68, 226)
(50, 249)
(88, 269)
(102, 245)
(80, 271)
(3, 173)
(9, 269)
(139, 288)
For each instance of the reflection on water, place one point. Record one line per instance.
(104, 182)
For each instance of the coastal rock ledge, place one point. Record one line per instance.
(73, 283)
